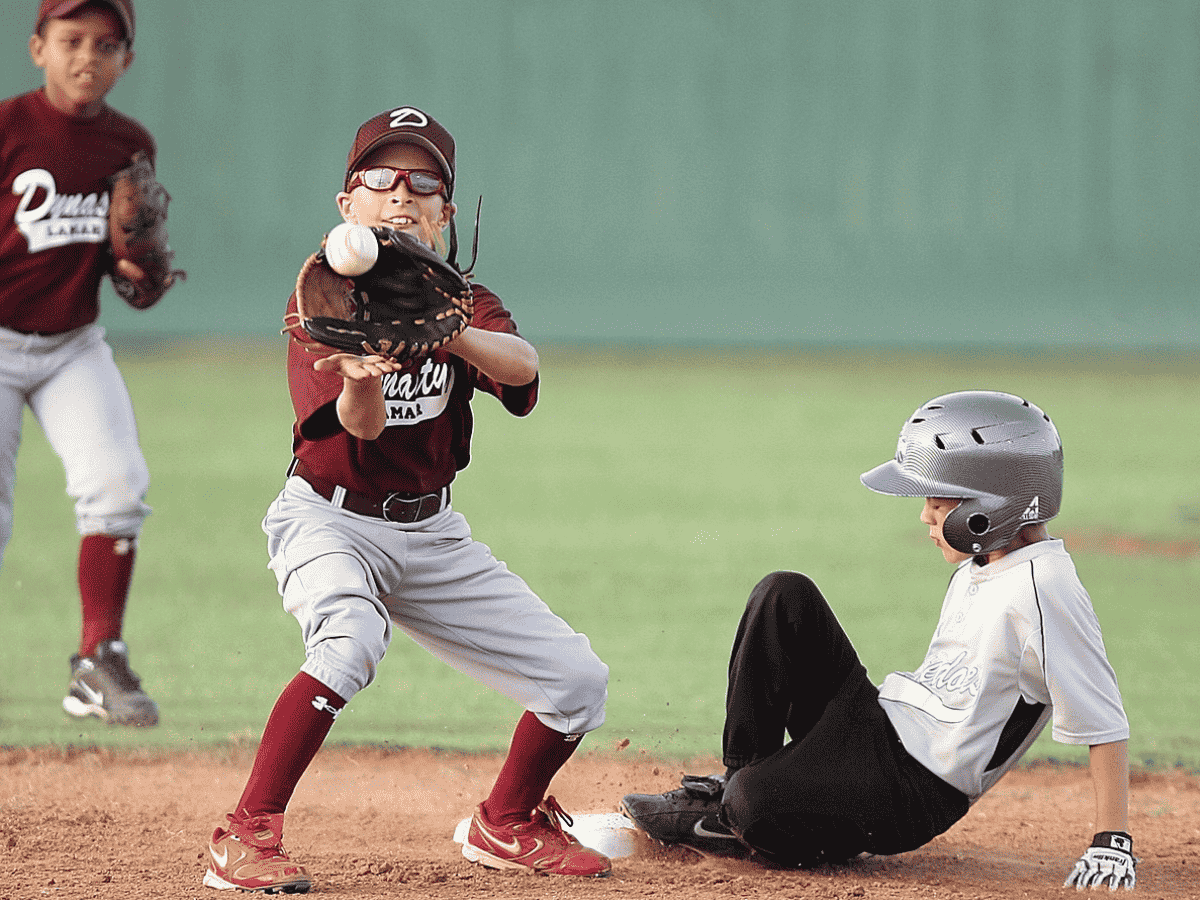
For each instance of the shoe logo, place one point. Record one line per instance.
(513, 846)
(700, 831)
(533, 851)
(220, 858)
(93, 696)
(1031, 513)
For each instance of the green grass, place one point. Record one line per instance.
(642, 499)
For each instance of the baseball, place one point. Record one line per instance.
(351, 249)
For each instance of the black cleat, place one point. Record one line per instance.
(690, 815)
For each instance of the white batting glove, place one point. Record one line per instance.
(1110, 859)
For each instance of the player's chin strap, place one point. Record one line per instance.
(453, 258)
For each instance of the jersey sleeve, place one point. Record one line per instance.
(1086, 700)
(491, 315)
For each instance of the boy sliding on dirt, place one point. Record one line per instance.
(884, 770)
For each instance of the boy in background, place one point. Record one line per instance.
(885, 770)
(59, 147)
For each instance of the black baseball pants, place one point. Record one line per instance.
(843, 783)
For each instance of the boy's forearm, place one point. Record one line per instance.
(360, 409)
(1109, 764)
(507, 358)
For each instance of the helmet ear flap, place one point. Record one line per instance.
(969, 528)
(979, 524)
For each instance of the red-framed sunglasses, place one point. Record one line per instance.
(384, 178)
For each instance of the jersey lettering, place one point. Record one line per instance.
(405, 412)
(412, 397)
(59, 219)
(952, 679)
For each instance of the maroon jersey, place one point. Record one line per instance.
(428, 434)
(54, 209)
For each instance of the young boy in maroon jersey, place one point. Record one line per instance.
(59, 146)
(363, 537)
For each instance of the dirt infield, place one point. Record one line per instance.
(372, 823)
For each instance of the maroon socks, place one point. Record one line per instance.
(296, 728)
(534, 758)
(105, 570)
(305, 712)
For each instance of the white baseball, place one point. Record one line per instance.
(351, 249)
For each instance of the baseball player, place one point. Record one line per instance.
(59, 146)
(884, 770)
(363, 538)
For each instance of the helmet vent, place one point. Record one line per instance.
(978, 437)
(937, 440)
(978, 523)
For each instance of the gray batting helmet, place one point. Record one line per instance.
(999, 453)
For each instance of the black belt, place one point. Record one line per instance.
(395, 507)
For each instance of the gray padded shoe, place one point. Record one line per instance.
(102, 685)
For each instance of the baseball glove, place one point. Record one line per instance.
(409, 303)
(137, 231)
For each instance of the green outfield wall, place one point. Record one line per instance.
(929, 173)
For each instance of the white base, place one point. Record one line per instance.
(610, 833)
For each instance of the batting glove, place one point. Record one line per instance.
(1110, 859)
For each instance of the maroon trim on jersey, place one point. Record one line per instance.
(428, 438)
(54, 210)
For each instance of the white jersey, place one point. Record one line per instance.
(1017, 644)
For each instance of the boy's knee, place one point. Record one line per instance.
(593, 687)
(345, 664)
(590, 691)
(115, 505)
(782, 589)
(579, 701)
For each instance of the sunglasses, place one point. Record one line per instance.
(383, 178)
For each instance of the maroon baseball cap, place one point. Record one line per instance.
(404, 125)
(62, 9)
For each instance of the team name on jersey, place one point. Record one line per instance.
(59, 219)
(954, 680)
(411, 397)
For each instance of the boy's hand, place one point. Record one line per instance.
(357, 368)
(1109, 860)
(137, 234)
(360, 404)
(131, 271)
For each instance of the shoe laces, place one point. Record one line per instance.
(556, 815)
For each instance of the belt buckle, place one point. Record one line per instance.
(411, 508)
